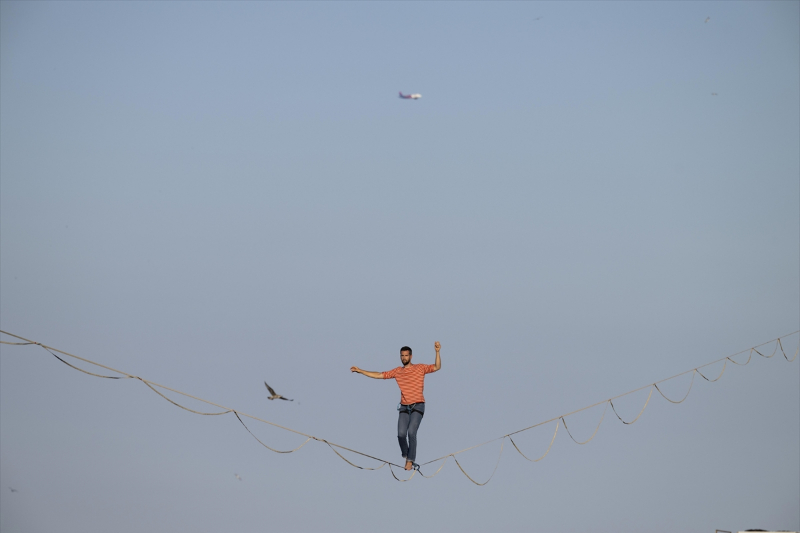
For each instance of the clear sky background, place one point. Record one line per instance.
(210, 195)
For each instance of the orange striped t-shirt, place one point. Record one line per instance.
(411, 380)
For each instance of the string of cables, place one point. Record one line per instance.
(559, 420)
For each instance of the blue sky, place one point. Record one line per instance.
(210, 195)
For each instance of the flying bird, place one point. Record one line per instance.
(238, 477)
(13, 490)
(714, 94)
(707, 19)
(275, 395)
(410, 96)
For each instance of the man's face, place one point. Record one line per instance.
(405, 357)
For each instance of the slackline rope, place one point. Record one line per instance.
(561, 419)
(152, 385)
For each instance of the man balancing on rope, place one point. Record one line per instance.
(411, 380)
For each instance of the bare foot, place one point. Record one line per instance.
(409, 465)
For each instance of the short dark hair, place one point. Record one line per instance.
(406, 348)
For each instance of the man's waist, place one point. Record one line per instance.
(409, 408)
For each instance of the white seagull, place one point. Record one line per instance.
(238, 477)
(415, 96)
(275, 395)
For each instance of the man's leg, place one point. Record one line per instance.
(413, 426)
(402, 429)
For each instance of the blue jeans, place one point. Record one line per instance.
(407, 424)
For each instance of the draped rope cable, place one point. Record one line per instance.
(561, 418)
(346, 460)
(435, 473)
(502, 442)
(595, 429)
(75, 367)
(413, 473)
(749, 356)
(684, 397)
(264, 445)
(183, 407)
(720, 374)
(784, 353)
(640, 412)
(548, 448)
(768, 356)
(696, 369)
(152, 385)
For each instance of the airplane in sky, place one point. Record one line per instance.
(410, 96)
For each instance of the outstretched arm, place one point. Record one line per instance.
(438, 363)
(376, 375)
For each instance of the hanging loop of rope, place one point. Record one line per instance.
(76, 368)
(595, 429)
(720, 374)
(795, 353)
(413, 473)
(437, 471)
(347, 461)
(181, 406)
(684, 397)
(640, 412)
(502, 442)
(545, 453)
(777, 344)
(749, 356)
(264, 445)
